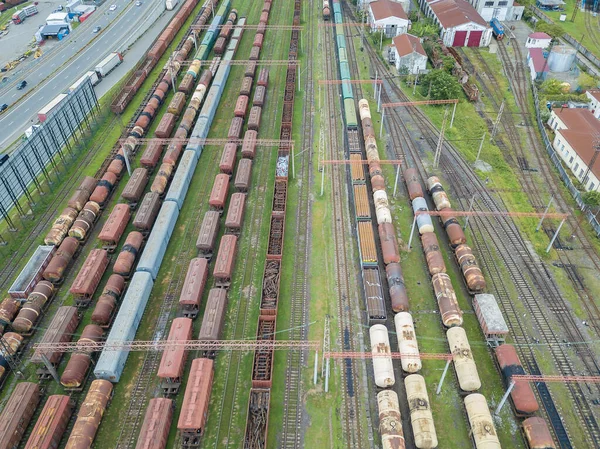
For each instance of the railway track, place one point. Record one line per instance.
(351, 405)
(298, 308)
(499, 237)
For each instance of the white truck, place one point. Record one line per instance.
(108, 64)
(170, 4)
(93, 76)
(30, 10)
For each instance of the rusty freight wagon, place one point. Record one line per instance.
(17, 413)
(76, 371)
(235, 129)
(147, 212)
(194, 409)
(235, 213)
(246, 86)
(52, 423)
(225, 262)
(228, 157)
(61, 260)
(156, 425)
(243, 175)
(129, 253)
(214, 317)
(89, 277)
(262, 366)
(193, 287)
(114, 227)
(60, 330)
(173, 359)
(241, 106)
(254, 118)
(134, 189)
(260, 94)
(36, 304)
(218, 195)
(208, 234)
(151, 155)
(249, 144)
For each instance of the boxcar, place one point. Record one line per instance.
(173, 359)
(134, 189)
(208, 234)
(243, 175)
(246, 86)
(249, 143)
(89, 276)
(263, 77)
(157, 422)
(254, 118)
(218, 195)
(166, 125)
(223, 268)
(228, 157)
(60, 330)
(193, 287)
(235, 213)
(114, 227)
(241, 106)
(195, 401)
(260, 94)
(235, 129)
(152, 154)
(374, 294)
(214, 317)
(177, 104)
(90, 415)
(17, 413)
(147, 212)
(250, 69)
(254, 54)
(52, 423)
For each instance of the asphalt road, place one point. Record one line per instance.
(73, 58)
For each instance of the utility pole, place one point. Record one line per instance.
(497, 122)
(480, 146)
(590, 166)
(326, 349)
(440, 144)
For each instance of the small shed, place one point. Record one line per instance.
(409, 54)
(490, 318)
(550, 5)
(538, 40)
(388, 16)
(31, 274)
(538, 66)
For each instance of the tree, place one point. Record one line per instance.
(552, 86)
(425, 27)
(553, 30)
(586, 81)
(448, 63)
(443, 85)
(591, 199)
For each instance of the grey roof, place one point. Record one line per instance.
(53, 29)
(491, 313)
(551, 2)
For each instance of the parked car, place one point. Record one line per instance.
(3, 107)
(96, 30)
(112, 7)
(138, 3)
(22, 85)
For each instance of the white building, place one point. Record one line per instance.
(409, 54)
(538, 66)
(594, 104)
(461, 25)
(57, 18)
(405, 4)
(389, 16)
(538, 40)
(576, 133)
(499, 9)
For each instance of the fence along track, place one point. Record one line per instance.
(449, 161)
(350, 415)
(293, 407)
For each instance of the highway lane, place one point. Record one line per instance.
(17, 119)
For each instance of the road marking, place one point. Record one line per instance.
(26, 110)
(10, 123)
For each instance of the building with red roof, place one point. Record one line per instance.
(409, 54)
(538, 40)
(388, 16)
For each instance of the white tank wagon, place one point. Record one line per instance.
(440, 198)
(390, 421)
(424, 222)
(407, 343)
(382, 365)
(480, 419)
(421, 418)
(363, 109)
(464, 364)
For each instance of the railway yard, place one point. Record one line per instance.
(252, 254)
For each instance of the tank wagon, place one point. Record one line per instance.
(382, 356)
(537, 434)
(17, 413)
(11, 342)
(85, 221)
(192, 418)
(157, 422)
(61, 260)
(483, 430)
(8, 311)
(446, 299)
(126, 260)
(82, 193)
(61, 226)
(522, 396)
(77, 368)
(464, 364)
(107, 303)
(420, 412)
(90, 415)
(390, 421)
(52, 422)
(407, 343)
(36, 304)
(173, 359)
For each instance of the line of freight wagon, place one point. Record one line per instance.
(523, 399)
(66, 318)
(262, 366)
